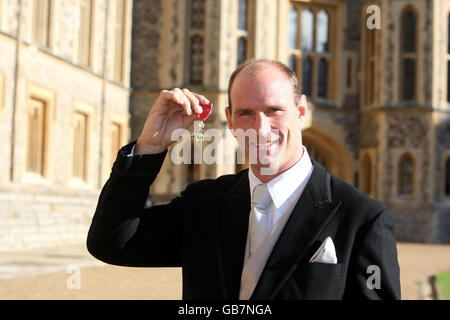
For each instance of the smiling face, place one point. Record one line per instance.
(262, 99)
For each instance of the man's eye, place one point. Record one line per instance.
(245, 113)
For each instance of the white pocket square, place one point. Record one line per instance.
(326, 253)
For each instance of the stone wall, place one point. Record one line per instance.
(342, 126)
(56, 209)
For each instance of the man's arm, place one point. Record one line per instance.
(374, 272)
(122, 231)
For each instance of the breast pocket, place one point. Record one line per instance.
(324, 270)
(321, 281)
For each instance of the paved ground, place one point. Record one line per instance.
(48, 274)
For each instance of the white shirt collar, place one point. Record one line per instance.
(284, 185)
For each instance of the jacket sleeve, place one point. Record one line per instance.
(122, 232)
(374, 271)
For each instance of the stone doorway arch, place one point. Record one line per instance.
(328, 152)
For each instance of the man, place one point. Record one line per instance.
(312, 236)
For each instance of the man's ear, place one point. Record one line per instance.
(229, 120)
(303, 108)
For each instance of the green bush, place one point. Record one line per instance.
(443, 284)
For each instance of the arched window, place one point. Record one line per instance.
(309, 26)
(292, 28)
(366, 175)
(323, 78)
(307, 76)
(406, 175)
(447, 177)
(409, 55)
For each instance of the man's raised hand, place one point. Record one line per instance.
(174, 109)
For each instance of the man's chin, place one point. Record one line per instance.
(267, 166)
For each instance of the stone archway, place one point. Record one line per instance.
(328, 152)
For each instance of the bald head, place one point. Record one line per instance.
(253, 67)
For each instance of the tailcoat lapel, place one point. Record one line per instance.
(312, 212)
(231, 234)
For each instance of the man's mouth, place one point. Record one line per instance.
(265, 144)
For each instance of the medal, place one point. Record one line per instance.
(199, 133)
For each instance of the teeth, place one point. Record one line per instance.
(267, 144)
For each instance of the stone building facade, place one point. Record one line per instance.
(64, 97)
(77, 79)
(376, 73)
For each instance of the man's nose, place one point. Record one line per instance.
(262, 125)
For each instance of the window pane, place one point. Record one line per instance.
(323, 78)
(322, 31)
(448, 35)
(36, 136)
(84, 46)
(409, 79)
(307, 76)
(292, 28)
(349, 72)
(409, 32)
(41, 21)
(119, 40)
(447, 177)
(242, 18)
(448, 81)
(197, 14)
(292, 63)
(242, 50)
(406, 175)
(33, 137)
(80, 135)
(196, 60)
(307, 29)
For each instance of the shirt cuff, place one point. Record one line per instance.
(131, 154)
